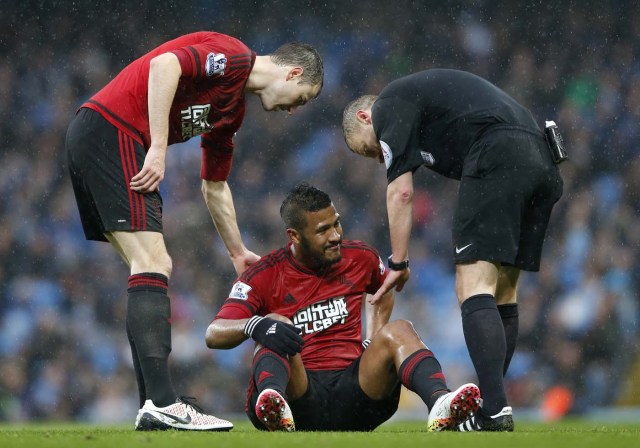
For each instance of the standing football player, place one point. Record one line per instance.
(312, 369)
(463, 127)
(116, 145)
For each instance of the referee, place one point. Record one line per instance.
(465, 128)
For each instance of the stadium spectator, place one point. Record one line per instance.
(302, 304)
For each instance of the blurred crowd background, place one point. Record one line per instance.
(63, 349)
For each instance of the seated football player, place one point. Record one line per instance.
(312, 368)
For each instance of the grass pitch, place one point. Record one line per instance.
(565, 434)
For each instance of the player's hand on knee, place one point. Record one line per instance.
(282, 338)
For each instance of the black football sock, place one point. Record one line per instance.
(148, 319)
(484, 335)
(509, 316)
(136, 367)
(421, 373)
(270, 371)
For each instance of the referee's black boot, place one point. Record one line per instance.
(502, 421)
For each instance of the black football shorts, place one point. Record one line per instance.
(334, 401)
(102, 160)
(508, 188)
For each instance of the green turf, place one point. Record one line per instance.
(393, 434)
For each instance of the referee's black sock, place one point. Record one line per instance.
(270, 371)
(510, 322)
(421, 373)
(148, 321)
(484, 334)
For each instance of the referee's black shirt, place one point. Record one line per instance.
(433, 118)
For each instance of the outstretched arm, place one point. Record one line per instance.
(219, 201)
(226, 333)
(400, 211)
(164, 74)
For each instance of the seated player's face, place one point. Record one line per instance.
(321, 240)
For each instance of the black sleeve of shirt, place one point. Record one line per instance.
(396, 122)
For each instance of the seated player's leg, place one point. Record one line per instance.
(397, 354)
(275, 379)
(378, 372)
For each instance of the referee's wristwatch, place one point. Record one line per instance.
(401, 266)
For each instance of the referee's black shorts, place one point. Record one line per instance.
(102, 160)
(509, 186)
(334, 401)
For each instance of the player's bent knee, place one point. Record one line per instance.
(392, 331)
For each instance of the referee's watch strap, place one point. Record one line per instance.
(399, 266)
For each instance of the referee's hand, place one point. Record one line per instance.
(395, 279)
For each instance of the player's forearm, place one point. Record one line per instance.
(164, 74)
(378, 315)
(400, 211)
(219, 201)
(225, 333)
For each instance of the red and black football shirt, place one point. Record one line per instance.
(326, 305)
(209, 101)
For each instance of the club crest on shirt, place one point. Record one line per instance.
(428, 158)
(381, 266)
(321, 315)
(195, 120)
(240, 290)
(216, 63)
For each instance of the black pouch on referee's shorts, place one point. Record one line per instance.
(555, 142)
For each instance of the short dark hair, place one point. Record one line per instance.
(303, 198)
(350, 124)
(301, 55)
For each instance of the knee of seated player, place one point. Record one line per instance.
(279, 318)
(398, 333)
